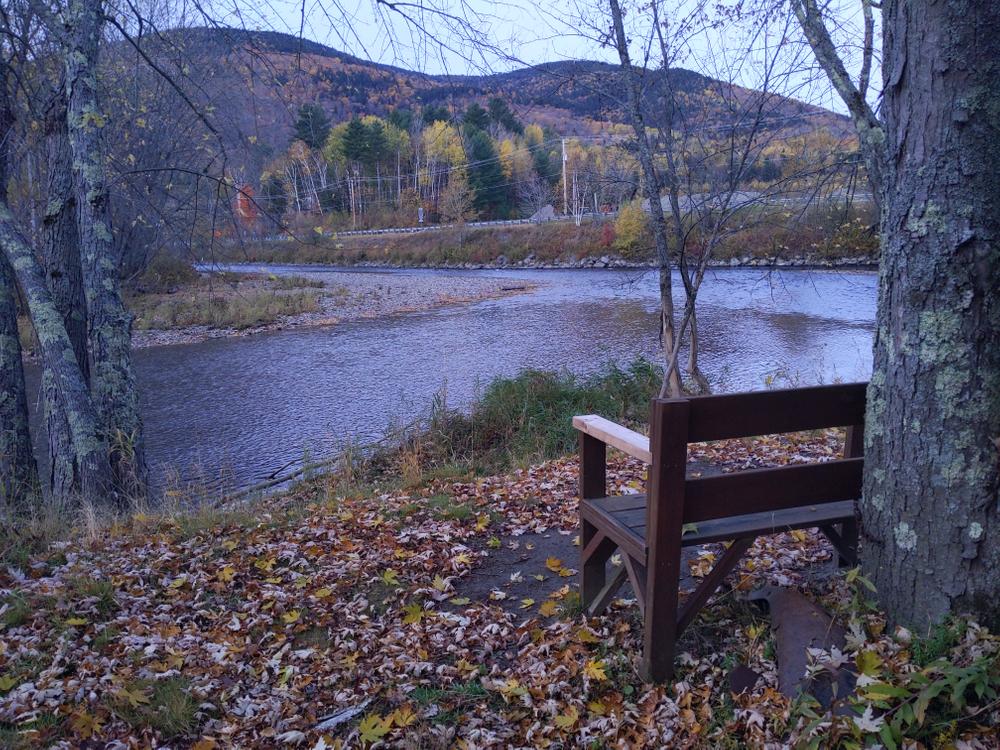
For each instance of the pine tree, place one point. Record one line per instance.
(312, 126)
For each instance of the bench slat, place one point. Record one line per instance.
(772, 412)
(749, 524)
(628, 441)
(761, 490)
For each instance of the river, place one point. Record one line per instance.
(237, 411)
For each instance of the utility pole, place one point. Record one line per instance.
(565, 192)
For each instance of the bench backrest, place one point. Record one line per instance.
(675, 500)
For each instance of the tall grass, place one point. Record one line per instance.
(521, 420)
(243, 310)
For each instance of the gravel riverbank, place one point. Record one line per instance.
(347, 296)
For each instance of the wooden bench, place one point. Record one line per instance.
(736, 507)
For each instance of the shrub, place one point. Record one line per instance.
(165, 273)
(632, 231)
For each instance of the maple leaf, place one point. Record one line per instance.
(226, 574)
(439, 583)
(482, 521)
(322, 593)
(403, 717)
(289, 617)
(373, 727)
(554, 564)
(87, 725)
(414, 614)
(526, 603)
(548, 608)
(390, 577)
(461, 559)
(460, 601)
(568, 719)
(594, 669)
(135, 697)
(585, 635)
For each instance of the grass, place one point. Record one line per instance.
(221, 309)
(165, 706)
(517, 421)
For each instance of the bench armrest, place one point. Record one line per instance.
(628, 441)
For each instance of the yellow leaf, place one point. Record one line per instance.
(403, 717)
(86, 725)
(390, 578)
(178, 582)
(272, 580)
(322, 593)
(548, 608)
(439, 583)
(264, 563)
(460, 601)
(461, 559)
(414, 614)
(229, 546)
(799, 535)
(596, 707)
(526, 603)
(585, 635)
(226, 574)
(134, 697)
(594, 669)
(554, 564)
(7, 682)
(373, 727)
(290, 617)
(538, 577)
(568, 719)
(482, 521)
(868, 662)
(566, 572)
(76, 621)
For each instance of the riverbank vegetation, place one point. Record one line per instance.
(350, 611)
(818, 236)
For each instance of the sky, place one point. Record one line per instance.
(476, 36)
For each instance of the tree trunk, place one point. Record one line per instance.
(89, 450)
(18, 473)
(113, 382)
(651, 183)
(64, 276)
(930, 518)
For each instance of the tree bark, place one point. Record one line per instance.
(930, 516)
(18, 473)
(89, 449)
(113, 381)
(64, 276)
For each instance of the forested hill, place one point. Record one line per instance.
(282, 71)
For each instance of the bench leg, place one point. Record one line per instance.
(659, 638)
(595, 549)
(844, 538)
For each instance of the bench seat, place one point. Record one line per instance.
(623, 519)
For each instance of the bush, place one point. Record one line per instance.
(166, 273)
(632, 232)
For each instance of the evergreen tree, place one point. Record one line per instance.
(486, 177)
(501, 114)
(312, 126)
(354, 143)
(431, 113)
(476, 117)
(402, 118)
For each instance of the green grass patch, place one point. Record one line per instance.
(165, 706)
(97, 592)
(518, 421)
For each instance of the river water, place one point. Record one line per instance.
(240, 410)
